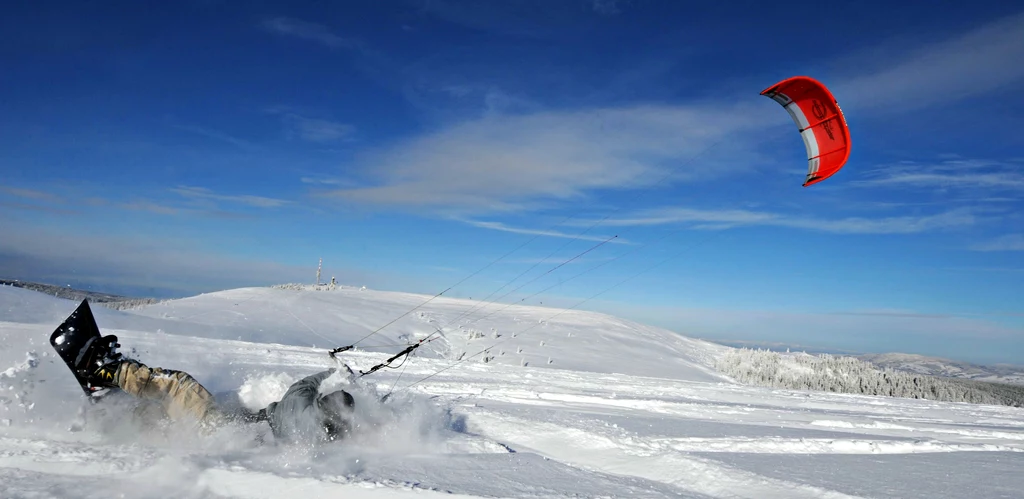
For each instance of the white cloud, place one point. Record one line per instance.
(606, 7)
(885, 225)
(720, 219)
(316, 130)
(31, 194)
(502, 162)
(216, 135)
(992, 180)
(309, 31)
(203, 193)
(951, 174)
(39, 208)
(674, 215)
(142, 205)
(530, 158)
(298, 123)
(979, 182)
(523, 18)
(541, 232)
(976, 62)
(324, 181)
(1009, 242)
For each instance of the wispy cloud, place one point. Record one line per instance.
(325, 181)
(54, 199)
(1009, 242)
(309, 31)
(722, 219)
(316, 130)
(216, 135)
(31, 194)
(203, 193)
(521, 18)
(503, 163)
(606, 7)
(539, 232)
(887, 225)
(299, 124)
(33, 207)
(949, 180)
(674, 215)
(976, 62)
(39, 201)
(151, 207)
(980, 178)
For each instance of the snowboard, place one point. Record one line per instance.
(79, 343)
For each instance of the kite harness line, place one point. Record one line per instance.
(826, 136)
(404, 355)
(409, 349)
(387, 363)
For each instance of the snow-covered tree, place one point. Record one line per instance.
(849, 375)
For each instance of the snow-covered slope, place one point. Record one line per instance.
(622, 411)
(512, 335)
(936, 366)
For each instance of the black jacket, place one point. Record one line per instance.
(298, 417)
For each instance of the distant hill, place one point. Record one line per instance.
(907, 362)
(69, 293)
(840, 374)
(775, 346)
(934, 366)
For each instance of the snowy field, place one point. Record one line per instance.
(568, 404)
(950, 368)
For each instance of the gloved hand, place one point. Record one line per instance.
(101, 363)
(105, 376)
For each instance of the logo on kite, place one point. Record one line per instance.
(827, 126)
(818, 109)
(804, 97)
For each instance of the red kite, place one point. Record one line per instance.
(820, 121)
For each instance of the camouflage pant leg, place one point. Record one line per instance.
(180, 395)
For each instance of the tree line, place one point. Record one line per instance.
(839, 374)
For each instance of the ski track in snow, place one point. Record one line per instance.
(621, 410)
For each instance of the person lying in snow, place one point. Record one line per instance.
(302, 414)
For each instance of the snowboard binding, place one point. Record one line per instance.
(79, 343)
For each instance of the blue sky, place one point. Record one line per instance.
(174, 149)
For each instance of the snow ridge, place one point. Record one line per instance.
(622, 410)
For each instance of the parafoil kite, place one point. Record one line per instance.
(820, 121)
